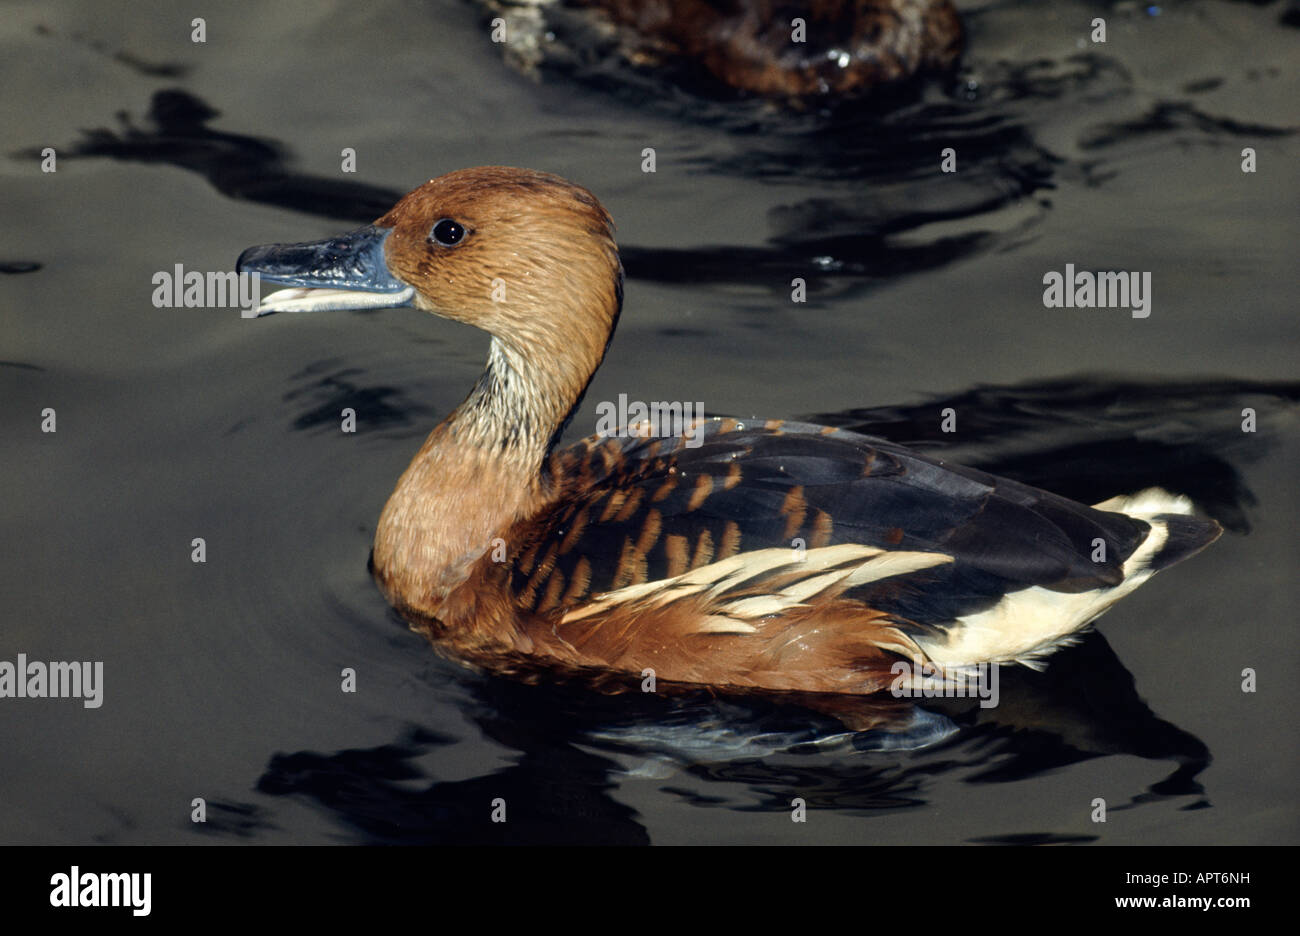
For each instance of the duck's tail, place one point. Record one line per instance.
(1175, 533)
(1027, 626)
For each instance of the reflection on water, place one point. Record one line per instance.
(1091, 437)
(553, 795)
(239, 166)
(558, 787)
(891, 216)
(853, 233)
(325, 388)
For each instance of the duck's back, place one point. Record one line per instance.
(755, 539)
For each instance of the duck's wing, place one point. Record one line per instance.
(763, 519)
(651, 509)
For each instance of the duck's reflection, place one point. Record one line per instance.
(575, 747)
(1085, 704)
(555, 794)
(1088, 437)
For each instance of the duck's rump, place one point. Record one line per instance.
(760, 522)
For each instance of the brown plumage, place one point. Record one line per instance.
(769, 556)
(846, 47)
(818, 50)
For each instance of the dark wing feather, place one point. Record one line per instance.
(639, 510)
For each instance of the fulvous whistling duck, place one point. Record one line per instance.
(773, 556)
(820, 49)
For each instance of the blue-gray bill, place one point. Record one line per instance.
(339, 273)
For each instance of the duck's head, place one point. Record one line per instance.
(526, 256)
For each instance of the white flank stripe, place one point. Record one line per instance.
(897, 563)
(850, 564)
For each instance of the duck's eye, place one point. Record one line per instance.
(447, 232)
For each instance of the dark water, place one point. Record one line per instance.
(222, 679)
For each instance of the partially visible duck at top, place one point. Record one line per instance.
(825, 49)
(773, 556)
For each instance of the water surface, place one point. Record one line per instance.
(222, 679)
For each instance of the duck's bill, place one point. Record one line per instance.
(340, 273)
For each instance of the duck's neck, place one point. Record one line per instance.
(480, 471)
(517, 406)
